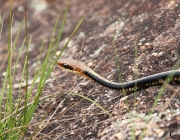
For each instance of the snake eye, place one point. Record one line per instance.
(66, 66)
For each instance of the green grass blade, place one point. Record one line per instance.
(90, 100)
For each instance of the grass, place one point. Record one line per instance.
(17, 113)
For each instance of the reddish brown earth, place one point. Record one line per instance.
(143, 35)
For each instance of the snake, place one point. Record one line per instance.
(82, 69)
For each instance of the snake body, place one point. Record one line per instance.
(152, 80)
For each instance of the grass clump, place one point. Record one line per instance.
(17, 112)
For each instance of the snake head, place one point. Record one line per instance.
(72, 65)
(65, 66)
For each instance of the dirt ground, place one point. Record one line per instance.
(142, 35)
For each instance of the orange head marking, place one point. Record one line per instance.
(72, 65)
